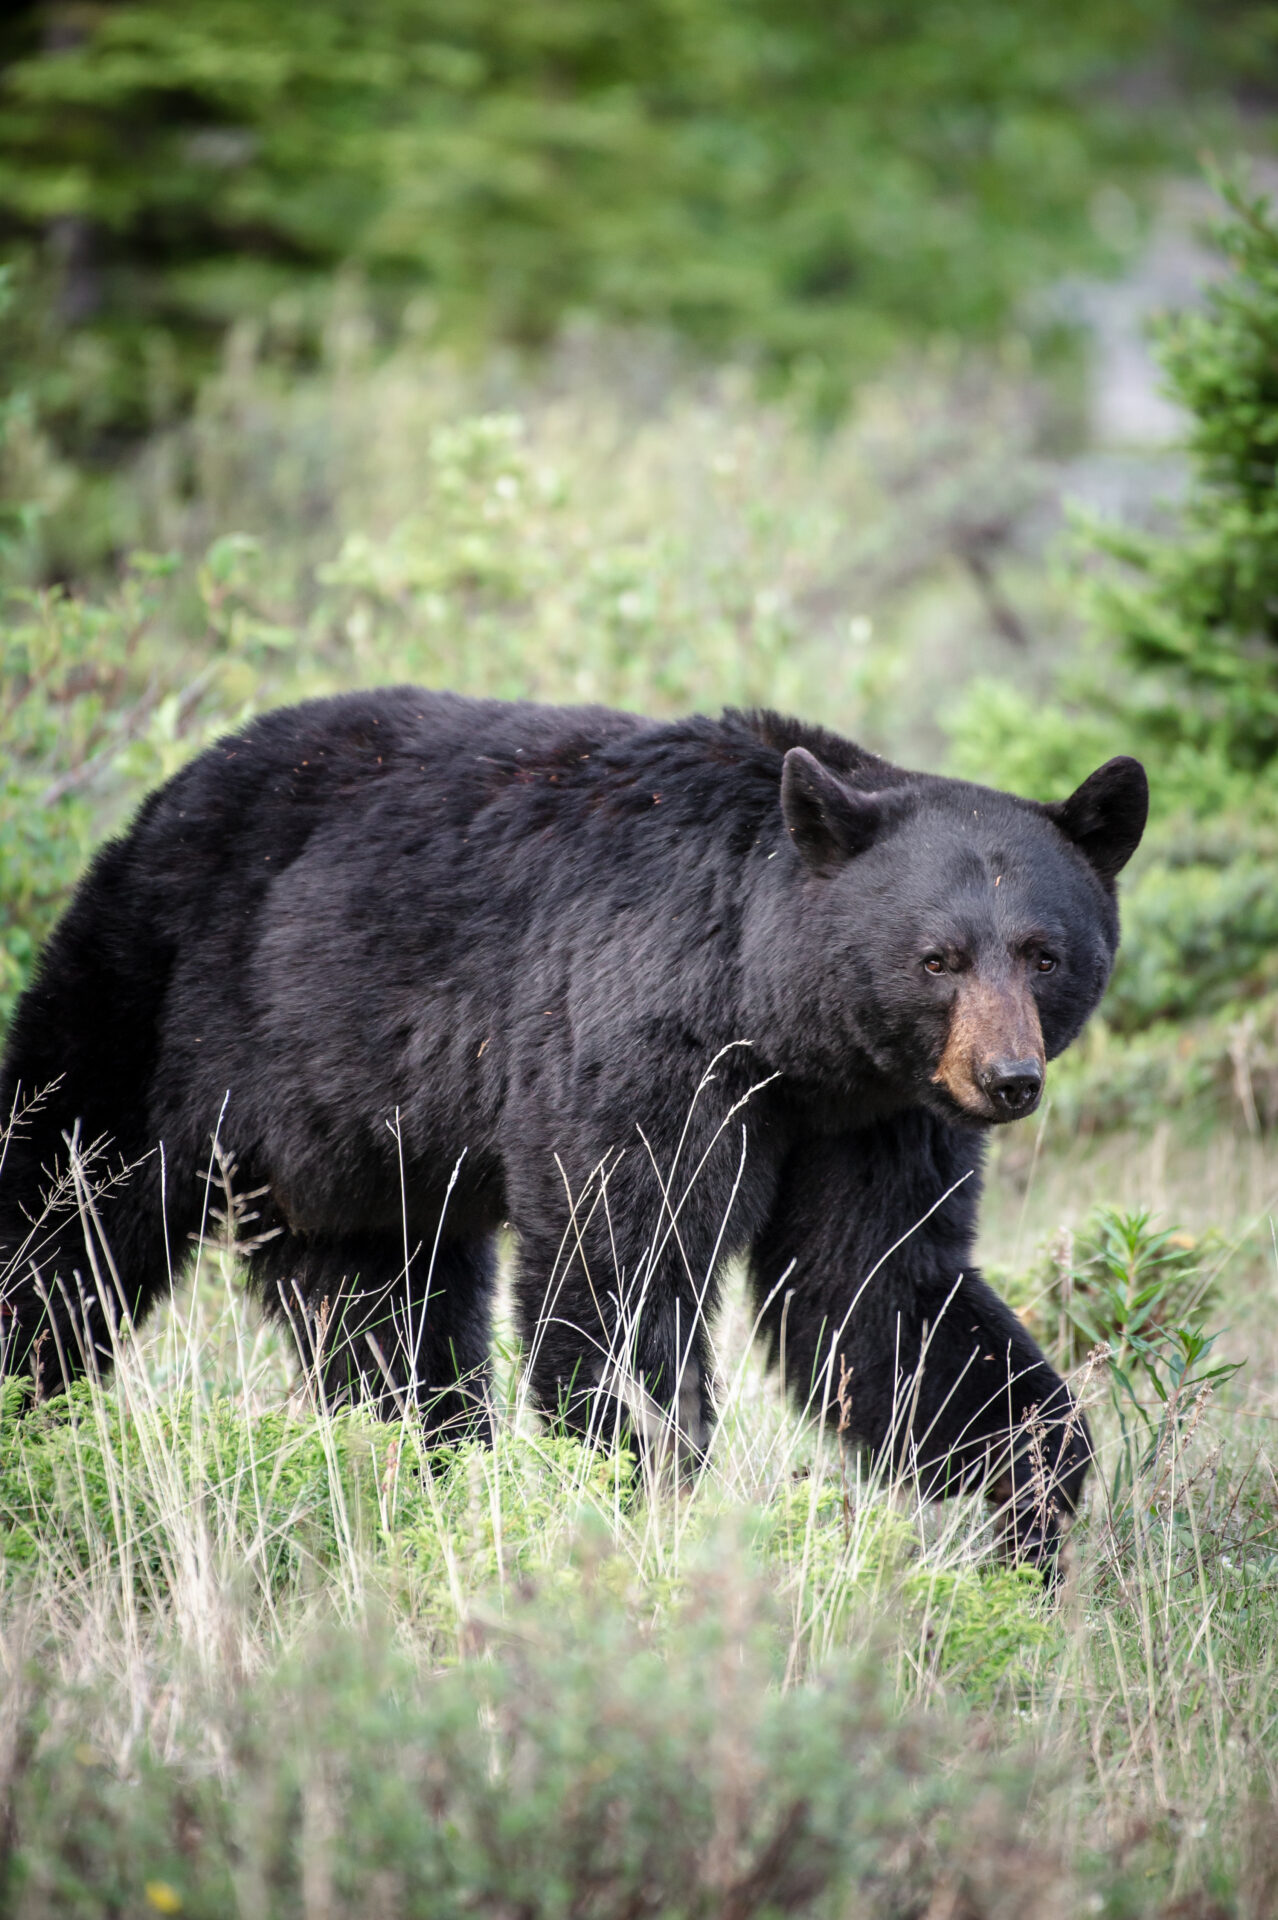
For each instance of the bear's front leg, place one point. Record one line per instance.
(864, 1281)
(612, 1309)
(620, 1247)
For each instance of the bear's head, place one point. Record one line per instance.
(948, 938)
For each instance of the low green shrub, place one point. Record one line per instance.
(569, 1767)
(1138, 1295)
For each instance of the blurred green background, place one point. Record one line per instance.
(673, 354)
(812, 184)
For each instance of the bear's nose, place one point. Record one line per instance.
(1013, 1085)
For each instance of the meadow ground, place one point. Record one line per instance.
(262, 1659)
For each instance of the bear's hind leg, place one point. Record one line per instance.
(84, 1239)
(86, 1243)
(408, 1342)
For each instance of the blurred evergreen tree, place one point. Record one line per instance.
(814, 180)
(1182, 669)
(1183, 617)
(1195, 613)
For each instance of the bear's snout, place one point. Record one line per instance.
(1013, 1085)
(993, 1062)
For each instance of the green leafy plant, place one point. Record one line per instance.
(1139, 1293)
(94, 704)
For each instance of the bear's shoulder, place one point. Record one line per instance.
(779, 732)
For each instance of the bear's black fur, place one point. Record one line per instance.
(652, 993)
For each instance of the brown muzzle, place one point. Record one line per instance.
(993, 1061)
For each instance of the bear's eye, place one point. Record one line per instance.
(1045, 963)
(934, 963)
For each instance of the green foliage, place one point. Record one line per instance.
(17, 511)
(1139, 1293)
(65, 666)
(508, 578)
(84, 1469)
(1190, 671)
(89, 1480)
(99, 700)
(1201, 929)
(1127, 1278)
(148, 1485)
(813, 183)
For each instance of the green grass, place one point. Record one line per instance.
(265, 1659)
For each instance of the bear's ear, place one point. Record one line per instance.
(828, 822)
(1105, 817)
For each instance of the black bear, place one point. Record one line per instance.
(651, 993)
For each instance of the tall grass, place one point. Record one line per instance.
(263, 1656)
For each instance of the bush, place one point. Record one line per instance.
(261, 1659)
(101, 699)
(574, 1769)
